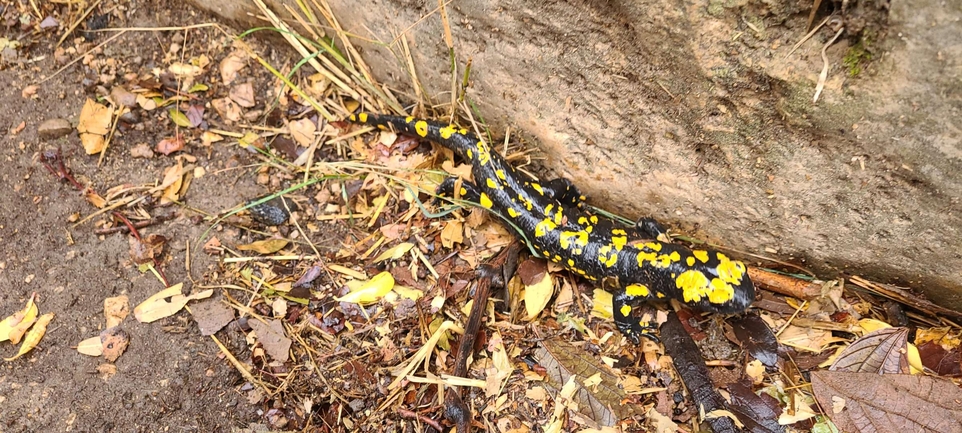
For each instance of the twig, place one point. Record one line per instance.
(137, 225)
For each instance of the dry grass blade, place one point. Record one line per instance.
(824, 74)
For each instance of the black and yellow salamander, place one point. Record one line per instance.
(628, 261)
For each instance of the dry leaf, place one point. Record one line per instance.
(367, 292)
(92, 143)
(302, 131)
(267, 246)
(33, 337)
(156, 307)
(14, 326)
(230, 66)
(211, 315)
(91, 347)
(170, 144)
(94, 118)
(395, 252)
(862, 402)
(271, 336)
(243, 95)
(452, 233)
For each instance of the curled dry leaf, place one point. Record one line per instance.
(230, 66)
(172, 144)
(33, 336)
(146, 250)
(14, 326)
(243, 95)
(302, 131)
(116, 309)
(271, 336)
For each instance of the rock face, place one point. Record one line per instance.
(697, 114)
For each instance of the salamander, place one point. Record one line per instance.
(630, 262)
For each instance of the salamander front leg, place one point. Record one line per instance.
(651, 229)
(468, 191)
(632, 327)
(563, 190)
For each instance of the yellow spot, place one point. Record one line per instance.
(589, 228)
(693, 285)
(643, 256)
(581, 271)
(492, 184)
(512, 212)
(662, 261)
(537, 188)
(626, 310)
(577, 240)
(594, 219)
(544, 227)
(527, 204)
(607, 256)
(619, 232)
(690, 261)
(447, 131)
(674, 256)
(463, 192)
(637, 290)
(470, 154)
(659, 295)
(730, 271)
(483, 155)
(721, 292)
(500, 174)
(571, 263)
(353, 118)
(408, 119)
(619, 241)
(486, 201)
(463, 131)
(547, 209)
(421, 127)
(701, 255)
(584, 221)
(363, 117)
(654, 246)
(558, 216)
(556, 259)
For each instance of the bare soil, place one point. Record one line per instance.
(170, 378)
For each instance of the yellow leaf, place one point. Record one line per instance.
(198, 88)
(156, 307)
(367, 292)
(407, 292)
(91, 346)
(14, 326)
(395, 252)
(452, 233)
(347, 271)
(602, 307)
(92, 143)
(537, 295)
(34, 336)
(267, 246)
(94, 118)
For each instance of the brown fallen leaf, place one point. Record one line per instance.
(230, 66)
(171, 144)
(243, 95)
(862, 402)
(271, 336)
(881, 352)
(302, 131)
(33, 336)
(211, 315)
(147, 249)
(94, 118)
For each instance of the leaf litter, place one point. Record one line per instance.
(349, 304)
